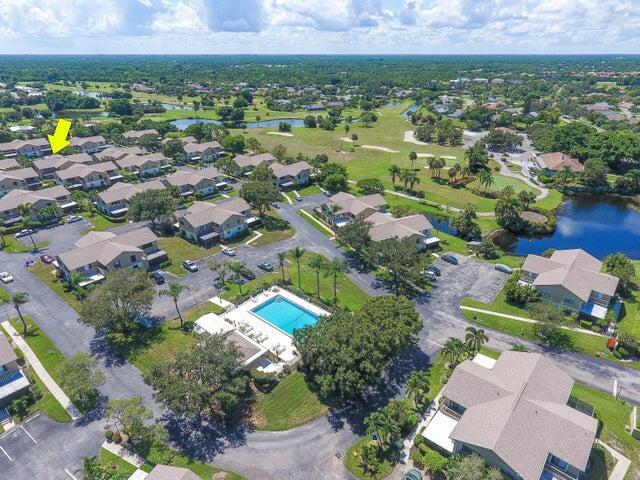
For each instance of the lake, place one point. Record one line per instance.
(598, 225)
(408, 111)
(183, 123)
(85, 93)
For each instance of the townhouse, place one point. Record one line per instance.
(342, 208)
(116, 153)
(36, 147)
(150, 165)
(20, 178)
(98, 253)
(114, 201)
(203, 182)
(291, 176)
(202, 152)
(38, 199)
(416, 227)
(9, 164)
(247, 163)
(209, 223)
(47, 167)
(134, 136)
(89, 144)
(87, 177)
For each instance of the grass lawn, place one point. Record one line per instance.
(178, 250)
(315, 224)
(290, 404)
(101, 223)
(352, 460)
(11, 245)
(310, 190)
(551, 201)
(46, 273)
(273, 229)
(630, 320)
(4, 296)
(51, 359)
(115, 465)
(613, 414)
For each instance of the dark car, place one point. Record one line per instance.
(46, 258)
(412, 474)
(266, 266)
(248, 274)
(435, 270)
(449, 259)
(157, 277)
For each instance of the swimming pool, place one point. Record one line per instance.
(284, 314)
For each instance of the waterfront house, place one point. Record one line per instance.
(556, 161)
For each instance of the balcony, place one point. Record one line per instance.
(551, 472)
(12, 382)
(450, 412)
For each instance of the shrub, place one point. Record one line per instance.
(434, 462)
(519, 294)
(417, 459)
(624, 353)
(108, 435)
(418, 441)
(586, 324)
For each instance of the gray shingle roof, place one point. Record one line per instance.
(356, 205)
(7, 354)
(165, 472)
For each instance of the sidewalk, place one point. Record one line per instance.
(528, 320)
(622, 462)
(37, 366)
(123, 453)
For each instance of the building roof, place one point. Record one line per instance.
(19, 173)
(8, 164)
(575, 270)
(280, 170)
(204, 213)
(244, 161)
(137, 134)
(81, 141)
(7, 355)
(166, 472)
(117, 153)
(124, 191)
(557, 161)
(386, 226)
(56, 161)
(356, 205)
(201, 147)
(16, 144)
(81, 171)
(141, 160)
(104, 247)
(518, 410)
(192, 177)
(18, 197)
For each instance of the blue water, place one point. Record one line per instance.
(408, 111)
(183, 123)
(284, 314)
(598, 225)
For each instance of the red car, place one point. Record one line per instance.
(46, 258)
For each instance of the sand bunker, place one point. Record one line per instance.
(282, 134)
(382, 149)
(410, 137)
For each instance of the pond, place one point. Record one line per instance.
(85, 93)
(393, 103)
(173, 106)
(79, 114)
(185, 122)
(598, 225)
(408, 111)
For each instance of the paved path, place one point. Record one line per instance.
(529, 320)
(622, 463)
(505, 171)
(37, 366)
(123, 453)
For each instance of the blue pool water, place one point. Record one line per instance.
(284, 314)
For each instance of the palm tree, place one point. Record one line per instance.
(418, 385)
(258, 118)
(346, 132)
(297, 254)
(18, 299)
(92, 468)
(282, 257)
(475, 338)
(317, 263)
(453, 349)
(27, 211)
(174, 291)
(382, 425)
(333, 210)
(334, 268)
(394, 171)
(413, 156)
(238, 268)
(354, 138)
(485, 178)
(221, 268)
(433, 165)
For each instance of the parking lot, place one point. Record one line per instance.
(40, 444)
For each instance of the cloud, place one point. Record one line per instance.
(230, 16)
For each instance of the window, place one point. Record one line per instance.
(116, 263)
(133, 259)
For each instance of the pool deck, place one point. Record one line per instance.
(263, 332)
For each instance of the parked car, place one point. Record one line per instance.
(430, 275)
(248, 274)
(412, 474)
(327, 193)
(298, 196)
(6, 277)
(46, 258)
(266, 266)
(24, 232)
(435, 270)
(449, 259)
(228, 251)
(158, 278)
(74, 218)
(503, 268)
(190, 265)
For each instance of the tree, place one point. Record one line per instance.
(27, 212)
(465, 224)
(619, 265)
(174, 291)
(549, 326)
(115, 306)
(297, 254)
(418, 386)
(173, 149)
(310, 121)
(221, 268)
(238, 269)
(401, 260)
(526, 198)
(280, 152)
(335, 183)
(368, 461)
(233, 143)
(92, 469)
(381, 424)
(485, 178)
(333, 268)
(354, 138)
(409, 178)
(18, 299)
(284, 127)
(413, 156)
(260, 195)
(206, 379)
(355, 234)
(81, 376)
(475, 338)
(282, 257)
(155, 206)
(261, 173)
(466, 467)
(128, 415)
(595, 174)
(318, 264)
(394, 171)
(453, 350)
(517, 294)
(369, 186)
(507, 211)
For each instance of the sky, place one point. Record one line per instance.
(319, 26)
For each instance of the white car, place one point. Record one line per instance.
(228, 251)
(6, 277)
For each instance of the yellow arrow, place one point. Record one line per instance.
(59, 138)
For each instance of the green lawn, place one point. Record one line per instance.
(101, 223)
(115, 465)
(290, 404)
(352, 460)
(273, 229)
(315, 224)
(51, 359)
(10, 245)
(46, 273)
(4, 296)
(309, 190)
(630, 320)
(178, 249)
(551, 201)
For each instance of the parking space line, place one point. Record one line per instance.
(5, 452)
(70, 474)
(28, 434)
(36, 415)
